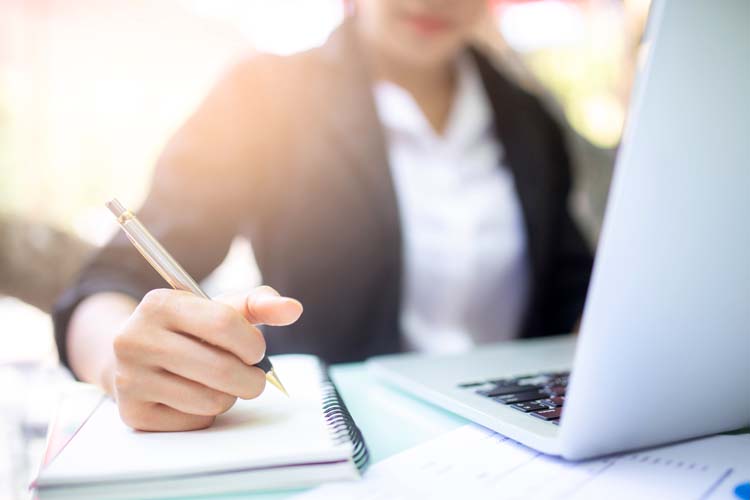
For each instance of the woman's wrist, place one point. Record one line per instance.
(91, 334)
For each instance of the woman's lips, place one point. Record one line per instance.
(426, 24)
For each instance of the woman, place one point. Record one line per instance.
(392, 181)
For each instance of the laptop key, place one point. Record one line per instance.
(505, 381)
(550, 414)
(556, 390)
(521, 397)
(529, 406)
(502, 390)
(553, 402)
(538, 380)
(470, 384)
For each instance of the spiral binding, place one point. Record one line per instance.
(341, 424)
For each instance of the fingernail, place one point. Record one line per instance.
(273, 300)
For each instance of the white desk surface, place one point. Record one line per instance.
(391, 421)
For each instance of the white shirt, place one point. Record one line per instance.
(466, 271)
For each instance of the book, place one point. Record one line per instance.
(268, 443)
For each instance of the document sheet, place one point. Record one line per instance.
(474, 462)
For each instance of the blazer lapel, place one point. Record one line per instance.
(523, 155)
(356, 130)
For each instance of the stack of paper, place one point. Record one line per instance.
(475, 463)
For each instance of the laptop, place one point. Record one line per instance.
(663, 353)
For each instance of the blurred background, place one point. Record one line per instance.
(91, 90)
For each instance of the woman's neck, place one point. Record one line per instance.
(432, 86)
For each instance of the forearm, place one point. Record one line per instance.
(91, 333)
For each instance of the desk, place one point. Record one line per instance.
(390, 420)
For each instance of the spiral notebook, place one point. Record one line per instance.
(268, 443)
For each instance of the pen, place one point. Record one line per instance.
(170, 270)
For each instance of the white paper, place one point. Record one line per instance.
(475, 463)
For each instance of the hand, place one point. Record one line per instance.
(181, 360)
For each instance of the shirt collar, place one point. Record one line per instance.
(470, 116)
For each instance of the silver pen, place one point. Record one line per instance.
(170, 269)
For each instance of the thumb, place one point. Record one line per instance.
(265, 306)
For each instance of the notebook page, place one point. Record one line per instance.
(269, 430)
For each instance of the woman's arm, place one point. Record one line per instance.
(91, 334)
(111, 329)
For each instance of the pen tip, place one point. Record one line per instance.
(274, 380)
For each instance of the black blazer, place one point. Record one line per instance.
(288, 151)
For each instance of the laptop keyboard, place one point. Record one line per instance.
(541, 395)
